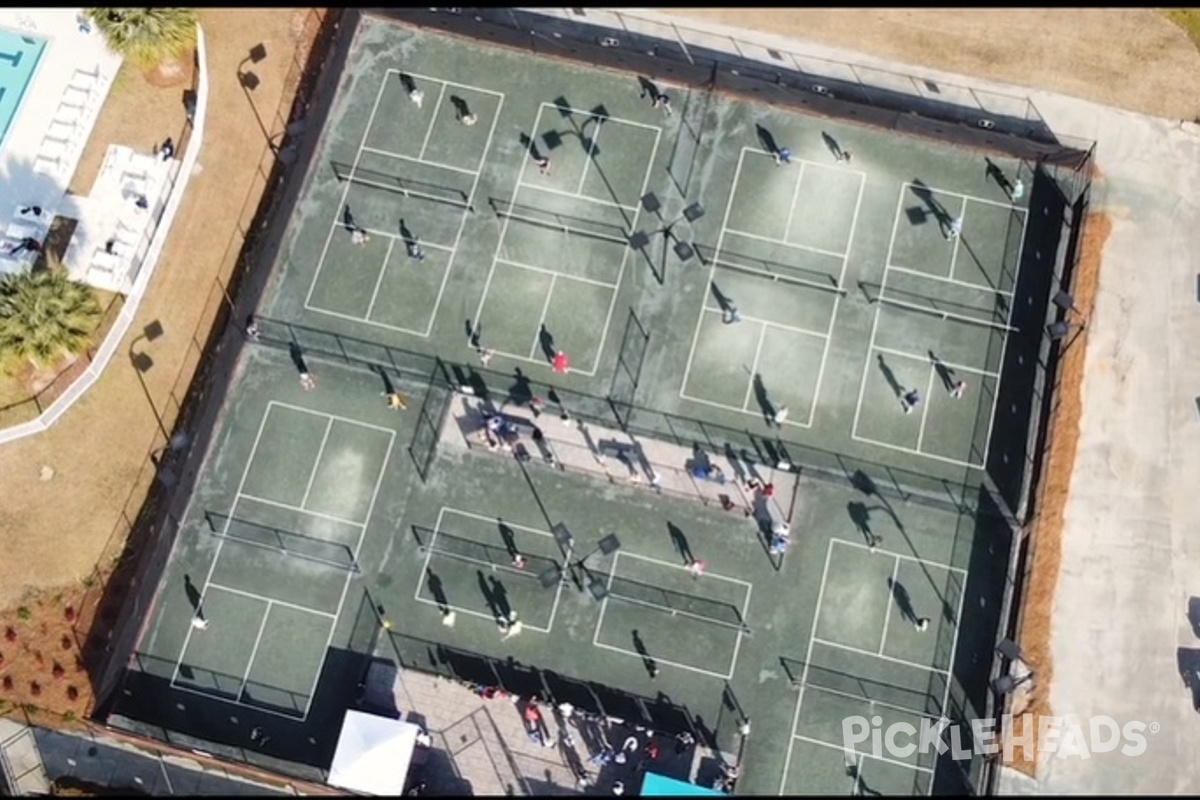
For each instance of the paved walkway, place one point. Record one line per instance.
(481, 746)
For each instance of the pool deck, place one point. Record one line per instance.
(70, 57)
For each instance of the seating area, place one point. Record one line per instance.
(115, 219)
(58, 83)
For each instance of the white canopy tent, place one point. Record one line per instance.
(373, 754)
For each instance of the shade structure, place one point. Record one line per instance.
(655, 785)
(373, 754)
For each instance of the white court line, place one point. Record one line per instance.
(187, 637)
(612, 305)
(899, 448)
(925, 406)
(712, 271)
(570, 551)
(540, 361)
(290, 507)
(762, 334)
(787, 761)
(394, 236)
(415, 159)
(607, 119)
(346, 191)
(556, 274)
(590, 154)
(255, 596)
(873, 703)
(837, 300)
(462, 222)
(953, 281)
(428, 555)
(903, 557)
(954, 648)
(672, 565)
(336, 417)
(925, 359)
(965, 197)
(892, 659)
(737, 644)
(312, 475)
(862, 387)
(792, 245)
(415, 76)
(387, 459)
(437, 106)
(525, 626)
(722, 675)
(769, 324)
(987, 444)
(787, 228)
(262, 626)
(715, 404)
(379, 278)
(586, 198)
(492, 519)
(862, 755)
(182, 687)
(477, 320)
(352, 318)
(537, 335)
(887, 612)
(673, 612)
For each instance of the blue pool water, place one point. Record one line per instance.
(19, 57)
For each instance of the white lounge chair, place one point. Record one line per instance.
(61, 131)
(48, 165)
(85, 80)
(77, 97)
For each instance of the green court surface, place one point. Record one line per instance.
(312, 520)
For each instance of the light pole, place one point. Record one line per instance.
(143, 363)
(249, 82)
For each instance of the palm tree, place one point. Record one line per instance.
(148, 37)
(44, 315)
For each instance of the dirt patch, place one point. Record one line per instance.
(1130, 58)
(1046, 527)
(68, 532)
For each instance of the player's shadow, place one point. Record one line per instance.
(932, 206)
(546, 340)
(766, 139)
(722, 299)
(297, 356)
(832, 144)
(388, 386)
(531, 147)
(461, 109)
(193, 596)
(860, 515)
(348, 221)
(408, 83)
(521, 392)
(903, 600)
(437, 589)
(647, 660)
(945, 373)
(680, 542)
(996, 174)
(890, 377)
(500, 596)
(649, 88)
(763, 399)
(509, 537)
(488, 597)
(406, 235)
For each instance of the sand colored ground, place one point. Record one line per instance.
(54, 532)
(1129, 58)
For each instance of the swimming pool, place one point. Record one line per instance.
(19, 57)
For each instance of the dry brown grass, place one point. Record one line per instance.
(1047, 525)
(61, 538)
